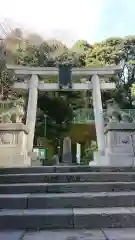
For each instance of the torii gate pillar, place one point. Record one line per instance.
(32, 110)
(98, 113)
(99, 157)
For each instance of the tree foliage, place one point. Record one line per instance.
(7, 77)
(51, 122)
(116, 51)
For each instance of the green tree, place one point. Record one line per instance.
(115, 51)
(6, 77)
(106, 53)
(79, 49)
(54, 117)
(81, 46)
(112, 51)
(34, 39)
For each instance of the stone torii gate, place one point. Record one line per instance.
(32, 83)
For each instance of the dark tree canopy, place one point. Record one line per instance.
(55, 115)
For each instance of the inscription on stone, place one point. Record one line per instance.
(8, 138)
(119, 138)
(61, 178)
(120, 142)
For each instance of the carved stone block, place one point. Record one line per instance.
(120, 144)
(13, 145)
(8, 138)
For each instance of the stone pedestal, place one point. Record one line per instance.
(120, 146)
(35, 160)
(100, 159)
(13, 145)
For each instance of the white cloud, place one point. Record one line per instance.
(78, 17)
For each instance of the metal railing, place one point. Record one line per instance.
(83, 115)
(87, 115)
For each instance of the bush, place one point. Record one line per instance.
(88, 153)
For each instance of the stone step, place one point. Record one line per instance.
(76, 218)
(20, 188)
(80, 200)
(68, 177)
(67, 200)
(73, 168)
(70, 234)
(13, 201)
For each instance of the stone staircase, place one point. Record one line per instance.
(67, 197)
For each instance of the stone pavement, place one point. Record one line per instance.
(105, 234)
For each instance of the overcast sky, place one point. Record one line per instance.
(70, 20)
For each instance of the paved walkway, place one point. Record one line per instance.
(115, 234)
